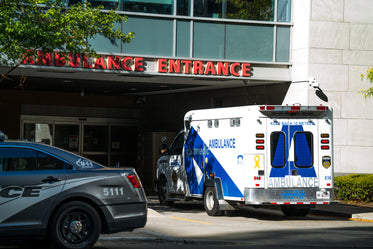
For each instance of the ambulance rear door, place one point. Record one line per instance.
(292, 152)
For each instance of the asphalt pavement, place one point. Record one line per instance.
(341, 210)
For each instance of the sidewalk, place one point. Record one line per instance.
(363, 213)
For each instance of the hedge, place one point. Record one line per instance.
(357, 187)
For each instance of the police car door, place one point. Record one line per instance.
(292, 152)
(29, 182)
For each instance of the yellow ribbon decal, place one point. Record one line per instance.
(257, 160)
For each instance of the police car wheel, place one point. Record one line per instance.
(211, 203)
(75, 225)
(295, 210)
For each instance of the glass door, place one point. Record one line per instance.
(67, 136)
(106, 141)
(95, 143)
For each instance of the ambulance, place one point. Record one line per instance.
(260, 155)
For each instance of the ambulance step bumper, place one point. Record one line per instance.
(290, 196)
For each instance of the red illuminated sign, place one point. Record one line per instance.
(204, 68)
(138, 64)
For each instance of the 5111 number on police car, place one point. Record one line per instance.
(109, 191)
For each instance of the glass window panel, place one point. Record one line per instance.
(260, 10)
(72, 2)
(303, 149)
(283, 44)
(67, 137)
(183, 8)
(149, 6)
(153, 36)
(107, 4)
(208, 8)
(47, 162)
(183, 39)
(17, 159)
(100, 43)
(284, 10)
(278, 152)
(249, 42)
(123, 146)
(208, 40)
(40, 133)
(95, 138)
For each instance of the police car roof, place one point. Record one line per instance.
(58, 152)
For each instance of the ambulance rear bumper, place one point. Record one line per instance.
(280, 196)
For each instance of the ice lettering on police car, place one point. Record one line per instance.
(15, 191)
(84, 163)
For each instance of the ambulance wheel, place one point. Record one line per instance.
(211, 203)
(162, 192)
(75, 225)
(295, 210)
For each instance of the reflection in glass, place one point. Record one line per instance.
(283, 10)
(149, 6)
(95, 138)
(183, 8)
(107, 4)
(67, 137)
(260, 10)
(40, 133)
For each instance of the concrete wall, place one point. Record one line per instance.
(332, 41)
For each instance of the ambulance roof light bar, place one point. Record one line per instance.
(292, 108)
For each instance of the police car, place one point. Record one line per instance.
(49, 193)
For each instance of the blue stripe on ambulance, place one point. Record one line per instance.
(196, 150)
(303, 154)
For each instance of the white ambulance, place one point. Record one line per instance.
(251, 155)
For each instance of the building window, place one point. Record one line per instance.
(208, 40)
(183, 39)
(183, 8)
(283, 10)
(149, 6)
(259, 10)
(249, 42)
(153, 36)
(107, 4)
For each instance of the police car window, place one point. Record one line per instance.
(303, 152)
(17, 159)
(278, 152)
(47, 162)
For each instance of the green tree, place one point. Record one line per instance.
(368, 75)
(29, 26)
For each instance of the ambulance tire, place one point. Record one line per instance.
(288, 210)
(211, 203)
(162, 192)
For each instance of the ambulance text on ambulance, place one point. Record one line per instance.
(293, 182)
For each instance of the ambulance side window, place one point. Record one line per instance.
(177, 145)
(278, 151)
(303, 149)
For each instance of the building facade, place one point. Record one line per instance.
(192, 54)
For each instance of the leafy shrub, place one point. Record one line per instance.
(357, 187)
